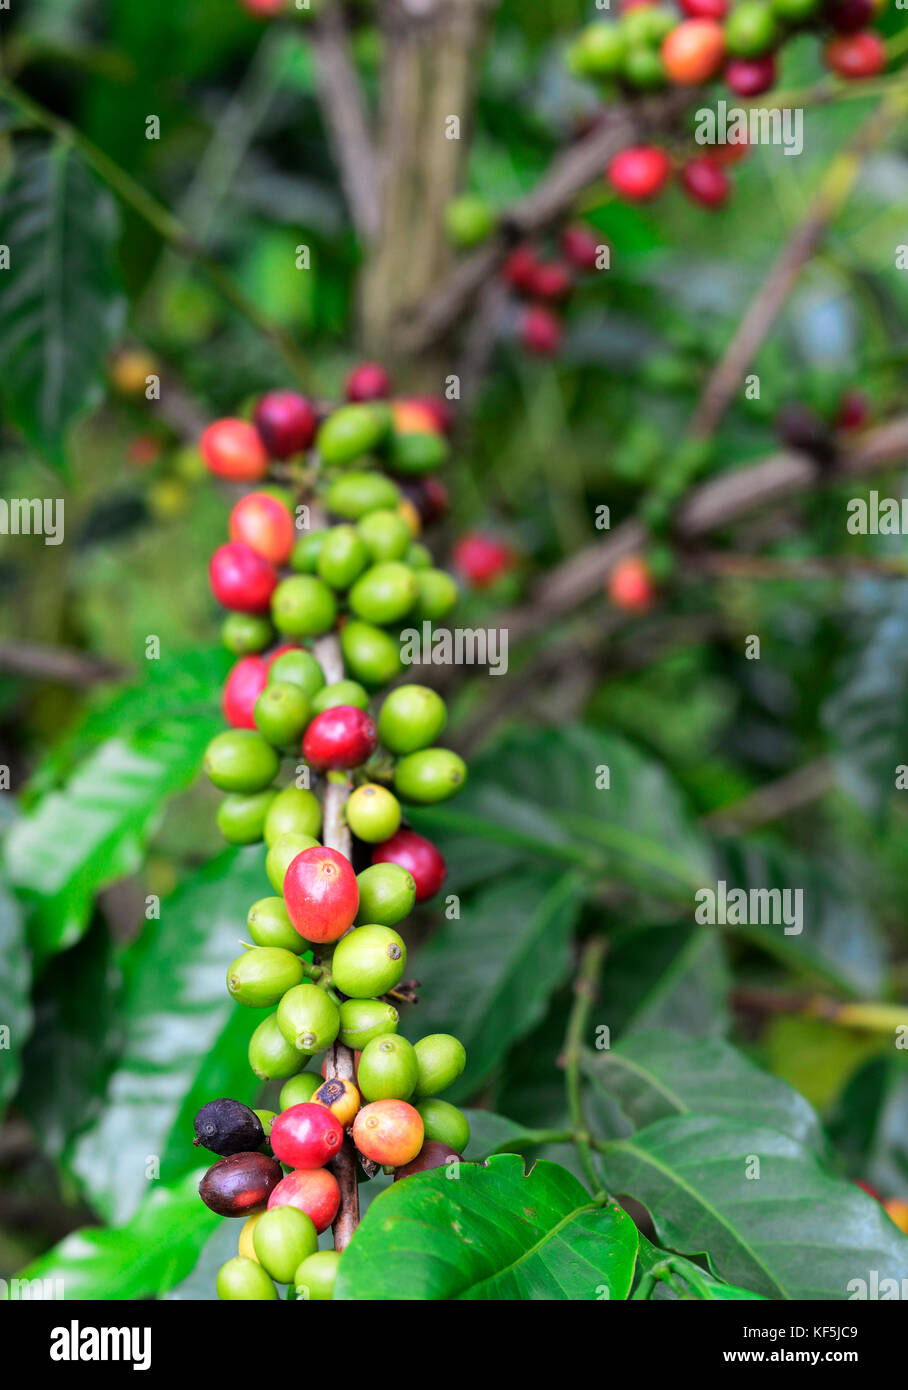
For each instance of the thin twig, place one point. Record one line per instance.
(585, 986)
(346, 118)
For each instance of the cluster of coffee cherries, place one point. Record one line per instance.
(324, 960)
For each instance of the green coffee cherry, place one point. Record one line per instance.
(294, 811)
(246, 633)
(644, 69)
(411, 718)
(240, 760)
(281, 713)
(269, 925)
(315, 1278)
(469, 220)
(241, 819)
(266, 1120)
(388, 1069)
(368, 961)
(418, 556)
(244, 1280)
(304, 555)
(386, 535)
(597, 51)
(432, 774)
(387, 894)
(300, 1089)
(794, 11)
(443, 1122)
(361, 1020)
(341, 693)
(351, 432)
(282, 854)
(373, 813)
(414, 454)
(299, 668)
(303, 606)
(308, 1018)
(260, 977)
(436, 594)
(440, 1059)
(271, 1057)
(356, 494)
(343, 557)
(282, 1239)
(750, 29)
(384, 593)
(649, 28)
(371, 654)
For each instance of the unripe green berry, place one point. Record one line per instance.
(303, 606)
(649, 25)
(444, 1123)
(266, 1120)
(269, 925)
(411, 718)
(597, 51)
(299, 1089)
(315, 1278)
(260, 977)
(385, 534)
(308, 1018)
(343, 557)
(644, 69)
(440, 1059)
(469, 220)
(372, 655)
(283, 1238)
(298, 668)
(341, 693)
(271, 1057)
(387, 894)
(244, 1280)
(246, 633)
(241, 818)
(356, 494)
(282, 854)
(240, 760)
(436, 595)
(750, 29)
(368, 961)
(388, 1069)
(294, 811)
(281, 713)
(418, 453)
(361, 1020)
(373, 813)
(385, 593)
(432, 774)
(418, 556)
(304, 555)
(351, 432)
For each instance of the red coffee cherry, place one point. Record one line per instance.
(580, 245)
(550, 280)
(312, 1190)
(418, 856)
(732, 152)
(368, 382)
(237, 1185)
(748, 77)
(640, 172)
(692, 53)
(286, 422)
(481, 558)
(265, 525)
(440, 410)
(342, 737)
(848, 16)
(265, 9)
(520, 267)
(242, 688)
(705, 181)
(856, 55)
(630, 585)
(853, 412)
(541, 331)
(306, 1136)
(705, 9)
(240, 579)
(321, 894)
(388, 1131)
(412, 415)
(232, 449)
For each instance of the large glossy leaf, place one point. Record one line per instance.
(660, 1275)
(871, 1123)
(94, 830)
(487, 977)
(185, 1039)
(792, 1231)
(140, 1259)
(60, 304)
(492, 1233)
(674, 976)
(654, 1075)
(15, 1005)
(535, 796)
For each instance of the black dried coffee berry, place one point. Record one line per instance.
(228, 1127)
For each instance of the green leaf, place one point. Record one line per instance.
(487, 977)
(60, 303)
(15, 1005)
(673, 976)
(871, 1123)
(141, 1259)
(794, 1231)
(494, 1233)
(654, 1075)
(94, 831)
(661, 1275)
(186, 1039)
(535, 796)
(489, 1133)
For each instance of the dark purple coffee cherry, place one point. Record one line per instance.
(803, 429)
(433, 1154)
(240, 1184)
(228, 1127)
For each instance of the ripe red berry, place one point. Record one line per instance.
(550, 280)
(306, 1136)
(705, 9)
(233, 449)
(519, 268)
(286, 422)
(418, 856)
(312, 1190)
(848, 16)
(388, 1132)
(640, 172)
(748, 77)
(240, 579)
(265, 524)
(341, 737)
(321, 894)
(368, 382)
(853, 411)
(264, 9)
(242, 688)
(580, 245)
(732, 152)
(866, 1187)
(481, 558)
(630, 585)
(439, 409)
(540, 331)
(856, 55)
(705, 181)
(693, 51)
